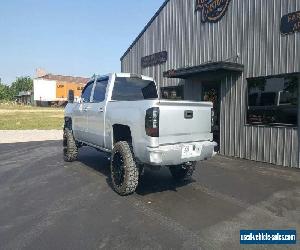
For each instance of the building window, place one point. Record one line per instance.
(173, 93)
(273, 101)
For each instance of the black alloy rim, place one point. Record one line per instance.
(118, 170)
(65, 145)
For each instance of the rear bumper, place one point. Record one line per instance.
(172, 154)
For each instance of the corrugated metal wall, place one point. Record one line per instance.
(250, 29)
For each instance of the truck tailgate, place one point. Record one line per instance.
(184, 121)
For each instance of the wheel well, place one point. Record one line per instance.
(122, 133)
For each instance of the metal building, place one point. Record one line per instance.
(243, 55)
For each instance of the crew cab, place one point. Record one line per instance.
(122, 114)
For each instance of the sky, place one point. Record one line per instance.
(68, 37)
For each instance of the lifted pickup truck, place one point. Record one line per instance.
(122, 114)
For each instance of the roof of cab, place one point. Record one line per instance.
(123, 75)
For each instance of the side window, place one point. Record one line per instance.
(86, 93)
(100, 90)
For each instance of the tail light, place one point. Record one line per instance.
(152, 122)
(212, 120)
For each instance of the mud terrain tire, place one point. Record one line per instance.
(70, 148)
(124, 171)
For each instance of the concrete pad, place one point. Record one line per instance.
(14, 136)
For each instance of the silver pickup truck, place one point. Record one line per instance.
(122, 114)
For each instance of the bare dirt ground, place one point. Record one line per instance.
(14, 136)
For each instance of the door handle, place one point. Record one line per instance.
(101, 110)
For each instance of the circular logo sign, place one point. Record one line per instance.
(212, 10)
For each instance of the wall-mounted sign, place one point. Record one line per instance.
(212, 10)
(290, 23)
(155, 59)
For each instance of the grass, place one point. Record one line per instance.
(15, 117)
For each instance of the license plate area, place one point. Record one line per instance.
(190, 151)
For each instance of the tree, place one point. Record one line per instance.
(21, 84)
(5, 92)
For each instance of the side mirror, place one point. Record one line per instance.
(71, 96)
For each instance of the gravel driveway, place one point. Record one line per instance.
(14, 136)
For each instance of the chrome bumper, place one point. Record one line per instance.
(172, 154)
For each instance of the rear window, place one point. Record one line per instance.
(252, 99)
(268, 99)
(133, 89)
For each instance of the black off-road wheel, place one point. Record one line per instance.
(70, 148)
(124, 171)
(182, 172)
